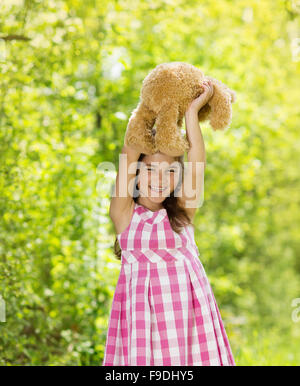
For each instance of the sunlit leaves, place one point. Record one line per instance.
(69, 82)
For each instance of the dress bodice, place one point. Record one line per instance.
(150, 233)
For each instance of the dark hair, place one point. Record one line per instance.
(177, 214)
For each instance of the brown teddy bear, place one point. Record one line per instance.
(166, 94)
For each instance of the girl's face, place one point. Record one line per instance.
(158, 176)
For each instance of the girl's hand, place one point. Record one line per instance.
(199, 102)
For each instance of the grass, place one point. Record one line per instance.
(266, 348)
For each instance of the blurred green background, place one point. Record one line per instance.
(71, 73)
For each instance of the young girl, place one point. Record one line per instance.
(163, 310)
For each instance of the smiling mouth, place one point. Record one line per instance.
(156, 189)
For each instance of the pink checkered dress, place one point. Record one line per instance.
(163, 311)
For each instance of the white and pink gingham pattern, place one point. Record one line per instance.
(163, 311)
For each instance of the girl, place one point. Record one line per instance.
(163, 310)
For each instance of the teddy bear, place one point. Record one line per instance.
(155, 124)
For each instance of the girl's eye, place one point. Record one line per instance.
(151, 169)
(172, 170)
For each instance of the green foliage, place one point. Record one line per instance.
(70, 75)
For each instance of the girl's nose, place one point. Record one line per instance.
(159, 181)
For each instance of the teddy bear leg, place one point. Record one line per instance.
(168, 138)
(139, 130)
(220, 104)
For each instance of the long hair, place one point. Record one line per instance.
(176, 213)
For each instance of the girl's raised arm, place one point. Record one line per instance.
(194, 176)
(122, 199)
